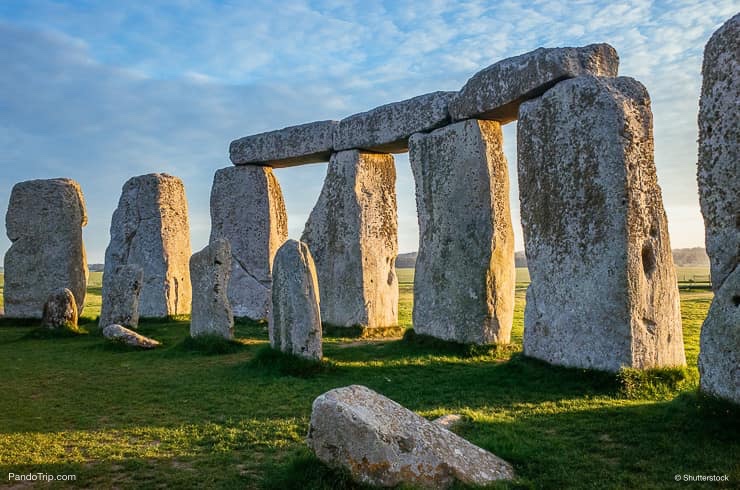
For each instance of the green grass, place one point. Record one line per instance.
(235, 415)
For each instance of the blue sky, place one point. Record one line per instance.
(100, 91)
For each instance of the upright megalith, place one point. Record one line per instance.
(248, 210)
(209, 272)
(719, 194)
(464, 281)
(121, 298)
(44, 223)
(60, 311)
(352, 233)
(497, 91)
(295, 319)
(150, 228)
(603, 293)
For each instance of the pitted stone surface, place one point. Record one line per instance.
(719, 193)
(464, 280)
(352, 233)
(60, 310)
(719, 140)
(497, 91)
(382, 443)
(210, 270)
(150, 228)
(294, 145)
(118, 333)
(44, 223)
(121, 297)
(604, 292)
(295, 320)
(388, 128)
(247, 208)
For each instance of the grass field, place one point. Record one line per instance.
(184, 417)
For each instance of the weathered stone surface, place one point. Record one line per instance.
(382, 443)
(448, 421)
(352, 233)
(388, 128)
(121, 296)
(44, 223)
(123, 335)
(295, 321)
(287, 147)
(603, 293)
(719, 140)
(150, 228)
(247, 208)
(210, 270)
(60, 310)
(497, 91)
(464, 281)
(719, 193)
(719, 355)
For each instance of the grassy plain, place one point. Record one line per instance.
(182, 417)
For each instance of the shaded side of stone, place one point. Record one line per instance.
(352, 233)
(603, 293)
(497, 91)
(44, 223)
(287, 147)
(388, 128)
(295, 320)
(210, 270)
(121, 296)
(464, 280)
(247, 209)
(150, 228)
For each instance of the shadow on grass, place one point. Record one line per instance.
(270, 361)
(210, 345)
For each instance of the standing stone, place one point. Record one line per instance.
(44, 223)
(60, 310)
(352, 233)
(209, 272)
(719, 193)
(150, 228)
(295, 322)
(121, 297)
(248, 210)
(464, 281)
(604, 293)
(497, 91)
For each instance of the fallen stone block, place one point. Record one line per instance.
(497, 91)
(118, 333)
(382, 443)
(287, 147)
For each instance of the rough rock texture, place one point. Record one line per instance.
(44, 223)
(123, 335)
(150, 228)
(388, 128)
(294, 145)
(352, 233)
(247, 208)
(121, 297)
(210, 270)
(719, 192)
(603, 293)
(295, 321)
(496, 92)
(60, 310)
(382, 443)
(448, 421)
(464, 281)
(719, 140)
(719, 355)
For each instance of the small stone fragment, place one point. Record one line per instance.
(382, 443)
(210, 270)
(121, 297)
(287, 147)
(448, 421)
(125, 336)
(295, 321)
(60, 311)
